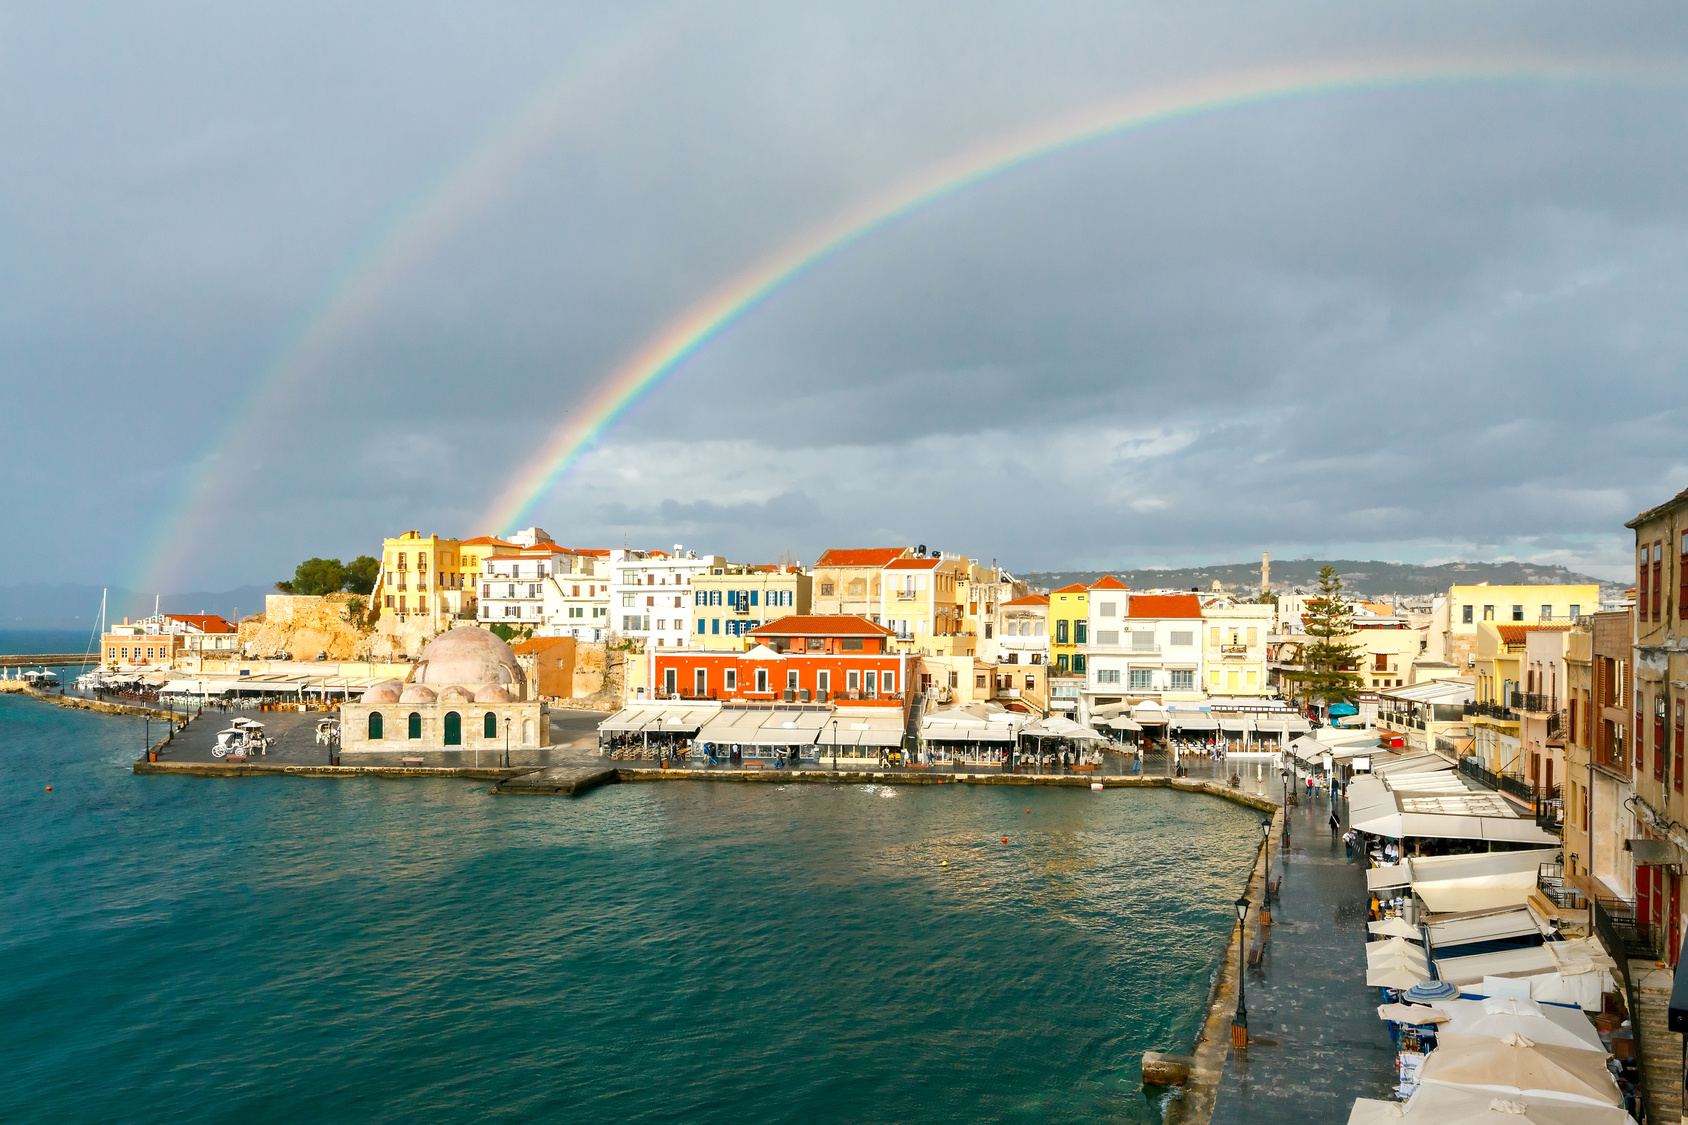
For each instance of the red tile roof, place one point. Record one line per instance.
(1108, 582)
(1165, 605)
(1075, 588)
(1030, 599)
(860, 556)
(204, 622)
(821, 625)
(913, 564)
(484, 541)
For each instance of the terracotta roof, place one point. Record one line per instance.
(1030, 599)
(860, 556)
(1516, 634)
(821, 625)
(1075, 588)
(913, 564)
(1108, 582)
(1165, 605)
(546, 549)
(597, 552)
(485, 541)
(204, 622)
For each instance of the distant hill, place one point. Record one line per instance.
(1368, 579)
(40, 606)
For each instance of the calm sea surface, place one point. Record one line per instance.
(289, 950)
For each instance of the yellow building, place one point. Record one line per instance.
(1453, 632)
(1234, 647)
(729, 601)
(848, 580)
(1499, 662)
(1069, 628)
(920, 601)
(422, 577)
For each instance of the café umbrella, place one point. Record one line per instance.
(1517, 1065)
(1444, 1105)
(1431, 991)
(1395, 927)
(1395, 975)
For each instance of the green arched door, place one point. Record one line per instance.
(416, 724)
(375, 726)
(489, 726)
(453, 729)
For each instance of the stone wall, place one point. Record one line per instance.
(305, 626)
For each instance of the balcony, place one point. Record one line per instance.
(1534, 703)
(1141, 650)
(1233, 650)
(1489, 711)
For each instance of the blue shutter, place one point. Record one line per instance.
(753, 597)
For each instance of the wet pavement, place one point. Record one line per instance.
(1315, 1042)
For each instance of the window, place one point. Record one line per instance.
(1107, 675)
(1576, 610)
(852, 644)
(111, 653)
(627, 601)
(1143, 640)
(1061, 662)
(1184, 679)
(1465, 613)
(1078, 663)
(729, 679)
(453, 729)
(715, 625)
(978, 681)
(1547, 613)
(1184, 638)
(858, 588)
(823, 680)
(489, 725)
(414, 726)
(1061, 632)
(826, 589)
(888, 681)
(1107, 637)
(1380, 662)
(1253, 636)
(1517, 613)
(1141, 679)
(1106, 609)
(791, 680)
(375, 726)
(753, 594)
(870, 683)
(670, 682)
(1081, 632)
(1031, 682)
(852, 681)
(1488, 613)
(761, 679)
(954, 679)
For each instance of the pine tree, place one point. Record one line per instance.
(1328, 661)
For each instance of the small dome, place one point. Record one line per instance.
(467, 655)
(416, 693)
(492, 693)
(457, 694)
(387, 691)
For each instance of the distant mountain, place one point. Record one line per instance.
(40, 606)
(1368, 579)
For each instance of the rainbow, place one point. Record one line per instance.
(680, 339)
(410, 231)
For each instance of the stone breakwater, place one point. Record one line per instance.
(17, 687)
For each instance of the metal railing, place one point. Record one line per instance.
(1514, 784)
(1534, 702)
(1490, 711)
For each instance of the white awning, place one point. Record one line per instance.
(1192, 720)
(1485, 927)
(1507, 963)
(1388, 876)
(630, 720)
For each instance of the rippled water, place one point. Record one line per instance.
(325, 950)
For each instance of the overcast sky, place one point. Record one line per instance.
(1418, 324)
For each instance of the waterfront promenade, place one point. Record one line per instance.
(1315, 1042)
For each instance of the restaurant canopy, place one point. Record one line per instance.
(1452, 1105)
(1499, 1016)
(1192, 720)
(1517, 1065)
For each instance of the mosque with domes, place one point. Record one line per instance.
(466, 692)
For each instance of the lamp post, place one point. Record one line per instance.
(506, 741)
(1289, 779)
(1266, 896)
(1239, 1022)
(835, 745)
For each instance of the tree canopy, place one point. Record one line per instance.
(329, 576)
(1328, 662)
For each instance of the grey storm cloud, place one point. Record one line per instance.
(1420, 323)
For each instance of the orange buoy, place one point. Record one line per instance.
(1005, 839)
(50, 789)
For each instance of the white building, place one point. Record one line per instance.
(514, 588)
(1141, 646)
(1234, 636)
(650, 593)
(1023, 630)
(578, 604)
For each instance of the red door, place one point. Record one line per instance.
(1644, 895)
(1674, 942)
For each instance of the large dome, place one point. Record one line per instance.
(468, 655)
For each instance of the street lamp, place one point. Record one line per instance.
(506, 741)
(1266, 898)
(1239, 1022)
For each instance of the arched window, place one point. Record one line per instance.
(527, 732)
(415, 724)
(453, 729)
(375, 725)
(489, 726)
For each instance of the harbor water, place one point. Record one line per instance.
(279, 949)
